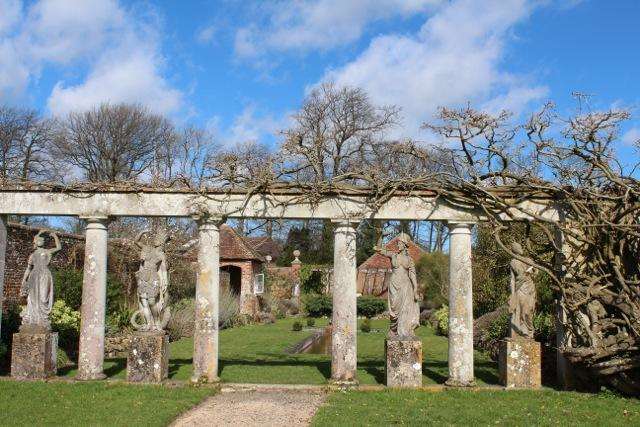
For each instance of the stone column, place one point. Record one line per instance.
(460, 306)
(345, 322)
(205, 334)
(3, 251)
(94, 298)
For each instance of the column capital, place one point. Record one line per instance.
(96, 221)
(208, 221)
(345, 222)
(460, 227)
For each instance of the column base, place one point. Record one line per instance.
(204, 379)
(34, 355)
(343, 384)
(520, 363)
(404, 363)
(148, 359)
(459, 383)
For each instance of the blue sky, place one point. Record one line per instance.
(240, 67)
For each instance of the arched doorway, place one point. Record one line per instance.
(231, 278)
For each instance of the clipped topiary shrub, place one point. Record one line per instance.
(370, 306)
(297, 326)
(311, 322)
(365, 326)
(318, 305)
(442, 320)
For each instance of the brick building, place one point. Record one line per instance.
(374, 274)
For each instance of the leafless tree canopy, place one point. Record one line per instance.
(113, 142)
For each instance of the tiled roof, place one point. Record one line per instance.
(232, 246)
(377, 261)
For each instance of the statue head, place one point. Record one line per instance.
(403, 241)
(38, 240)
(517, 248)
(161, 238)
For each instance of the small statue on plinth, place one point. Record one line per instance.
(403, 350)
(37, 285)
(33, 353)
(153, 285)
(404, 296)
(522, 302)
(148, 359)
(520, 359)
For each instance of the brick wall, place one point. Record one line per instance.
(20, 246)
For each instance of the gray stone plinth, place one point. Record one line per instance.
(33, 355)
(404, 363)
(148, 360)
(520, 363)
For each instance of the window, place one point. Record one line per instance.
(258, 284)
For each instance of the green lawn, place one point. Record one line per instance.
(94, 403)
(255, 354)
(453, 407)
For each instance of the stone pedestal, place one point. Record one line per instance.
(33, 355)
(148, 360)
(404, 363)
(520, 363)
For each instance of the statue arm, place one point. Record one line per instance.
(25, 276)
(383, 251)
(58, 246)
(414, 281)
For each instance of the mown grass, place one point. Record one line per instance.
(464, 408)
(40, 403)
(256, 354)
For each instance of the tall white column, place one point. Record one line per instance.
(460, 306)
(344, 355)
(3, 251)
(205, 335)
(94, 299)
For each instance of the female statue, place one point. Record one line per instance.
(522, 302)
(153, 283)
(404, 311)
(37, 284)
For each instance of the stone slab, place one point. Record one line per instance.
(404, 363)
(520, 363)
(148, 359)
(33, 355)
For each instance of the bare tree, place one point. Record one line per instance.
(25, 139)
(112, 142)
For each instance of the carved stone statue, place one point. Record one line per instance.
(404, 311)
(522, 302)
(153, 284)
(37, 285)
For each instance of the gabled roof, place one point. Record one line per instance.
(232, 246)
(378, 261)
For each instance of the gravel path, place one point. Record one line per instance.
(255, 408)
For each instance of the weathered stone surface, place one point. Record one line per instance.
(404, 363)
(344, 320)
(33, 356)
(94, 298)
(520, 363)
(460, 307)
(148, 359)
(205, 333)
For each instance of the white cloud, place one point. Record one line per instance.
(251, 125)
(119, 48)
(311, 24)
(631, 137)
(457, 56)
(206, 34)
(10, 14)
